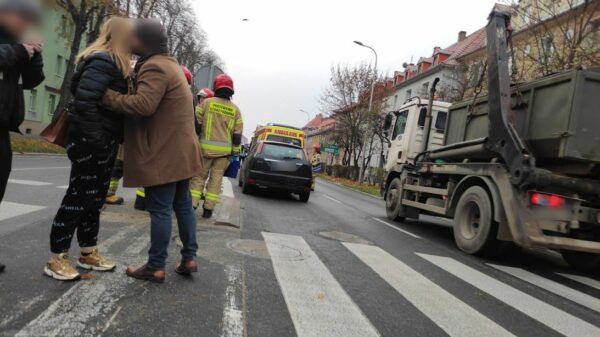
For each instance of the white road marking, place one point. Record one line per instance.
(93, 302)
(64, 187)
(317, 303)
(582, 279)
(138, 245)
(227, 188)
(332, 199)
(12, 209)
(41, 168)
(397, 228)
(28, 182)
(551, 286)
(455, 317)
(233, 318)
(110, 320)
(554, 318)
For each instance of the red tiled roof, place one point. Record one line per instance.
(319, 122)
(469, 44)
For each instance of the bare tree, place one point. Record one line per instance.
(347, 99)
(552, 36)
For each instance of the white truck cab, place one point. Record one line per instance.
(406, 130)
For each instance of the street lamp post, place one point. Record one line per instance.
(307, 115)
(375, 73)
(372, 85)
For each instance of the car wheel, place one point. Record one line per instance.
(247, 189)
(475, 231)
(304, 196)
(393, 201)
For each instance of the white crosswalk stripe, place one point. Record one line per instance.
(317, 303)
(552, 317)
(73, 313)
(551, 286)
(583, 280)
(28, 182)
(12, 209)
(440, 306)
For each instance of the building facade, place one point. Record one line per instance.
(41, 102)
(318, 132)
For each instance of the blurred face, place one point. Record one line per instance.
(136, 44)
(17, 24)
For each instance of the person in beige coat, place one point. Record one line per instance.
(161, 150)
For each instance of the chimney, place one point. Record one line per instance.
(436, 50)
(462, 35)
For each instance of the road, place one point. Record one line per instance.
(332, 267)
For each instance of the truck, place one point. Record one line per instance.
(518, 167)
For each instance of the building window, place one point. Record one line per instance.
(395, 100)
(51, 104)
(425, 89)
(408, 94)
(60, 61)
(32, 100)
(547, 49)
(527, 50)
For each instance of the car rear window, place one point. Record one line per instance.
(283, 139)
(282, 152)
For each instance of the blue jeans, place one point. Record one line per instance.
(161, 201)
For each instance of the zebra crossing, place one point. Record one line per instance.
(319, 305)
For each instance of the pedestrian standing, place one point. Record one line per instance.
(197, 186)
(161, 148)
(21, 67)
(220, 138)
(92, 143)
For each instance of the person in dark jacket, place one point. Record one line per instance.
(20, 68)
(92, 143)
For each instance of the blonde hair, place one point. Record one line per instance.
(113, 39)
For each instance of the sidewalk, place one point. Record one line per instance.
(111, 304)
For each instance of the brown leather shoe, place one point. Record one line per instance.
(146, 273)
(186, 268)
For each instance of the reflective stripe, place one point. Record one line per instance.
(212, 197)
(239, 121)
(196, 194)
(237, 149)
(140, 193)
(212, 145)
(114, 183)
(208, 125)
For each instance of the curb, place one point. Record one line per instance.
(227, 213)
(38, 154)
(350, 189)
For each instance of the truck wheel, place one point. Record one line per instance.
(475, 230)
(581, 261)
(393, 201)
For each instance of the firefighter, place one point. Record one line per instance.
(316, 159)
(140, 193)
(200, 96)
(220, 138)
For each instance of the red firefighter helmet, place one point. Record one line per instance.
(188, 75)
(205, 93)
(223, 81)
(317, 148)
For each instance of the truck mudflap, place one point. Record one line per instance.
(525, 228)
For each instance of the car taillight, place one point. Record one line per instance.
(550, 200)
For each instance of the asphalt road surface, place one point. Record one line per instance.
(331, 267)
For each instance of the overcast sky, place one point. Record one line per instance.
(280, 59)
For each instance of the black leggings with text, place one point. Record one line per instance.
(91, 168)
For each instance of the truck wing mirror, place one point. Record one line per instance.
(387, 122)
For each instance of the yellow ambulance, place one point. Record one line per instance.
(280, 133)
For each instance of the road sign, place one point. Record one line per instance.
(330, 148)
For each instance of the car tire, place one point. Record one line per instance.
(304, 196)
(588, 263)
(475, 230)
(240, 182)
(247, 189)
(393, 202)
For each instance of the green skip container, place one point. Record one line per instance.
(557, 116)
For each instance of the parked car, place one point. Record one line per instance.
(277, 166)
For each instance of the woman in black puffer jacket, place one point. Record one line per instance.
(93, 138)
